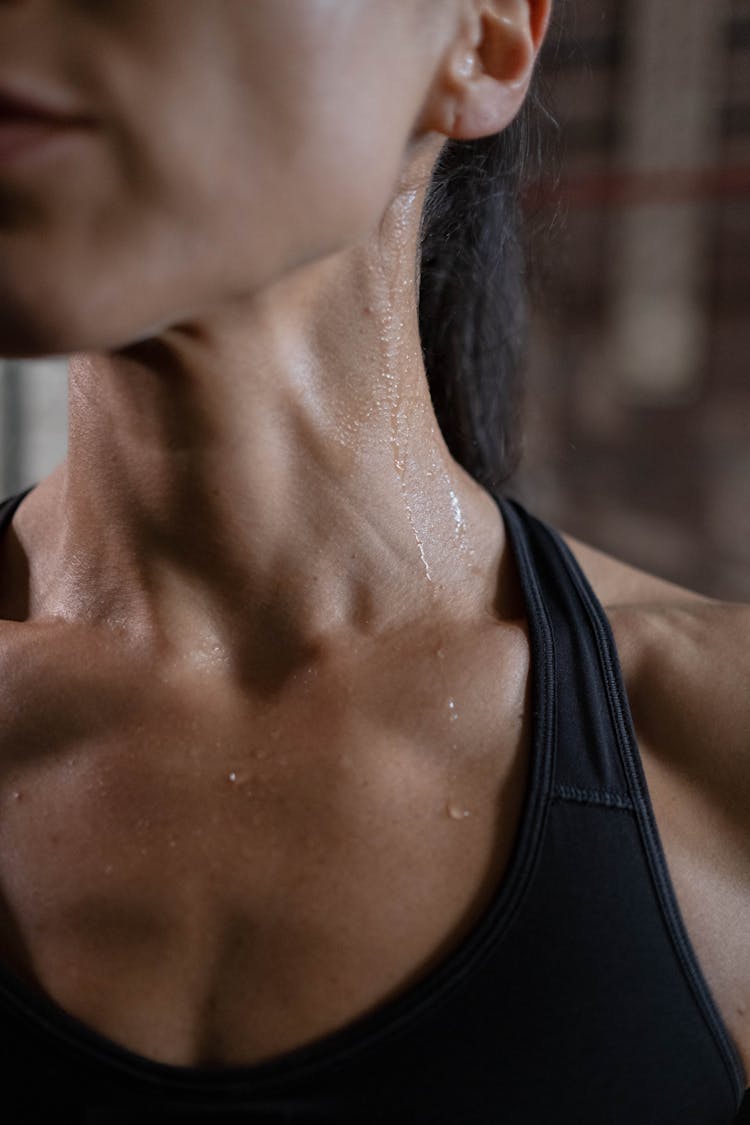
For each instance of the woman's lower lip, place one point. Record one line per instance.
(21, 140)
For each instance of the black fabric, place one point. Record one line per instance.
(576, 998)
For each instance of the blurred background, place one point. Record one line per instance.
(638, 388)
(638, 395)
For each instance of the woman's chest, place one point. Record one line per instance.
(229, 912)
(207, 891)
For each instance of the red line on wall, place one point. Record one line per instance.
(621, 187)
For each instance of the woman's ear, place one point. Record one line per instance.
(485, 73)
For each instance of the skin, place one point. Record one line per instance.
(229, 260)
(278, 387)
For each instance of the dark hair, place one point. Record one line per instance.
(473, 290)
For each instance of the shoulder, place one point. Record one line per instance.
(686, 664)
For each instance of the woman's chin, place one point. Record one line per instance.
(24, 335)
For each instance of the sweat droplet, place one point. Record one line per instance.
(456, 812)
(457, 514)
(233, 776)
(452, 709)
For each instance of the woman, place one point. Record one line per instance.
(321, 799)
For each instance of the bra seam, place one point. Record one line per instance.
(605, 797)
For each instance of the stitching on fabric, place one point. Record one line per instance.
(593, 797)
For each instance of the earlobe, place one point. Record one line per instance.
(487, 107)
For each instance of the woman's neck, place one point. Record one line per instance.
(271, 470)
